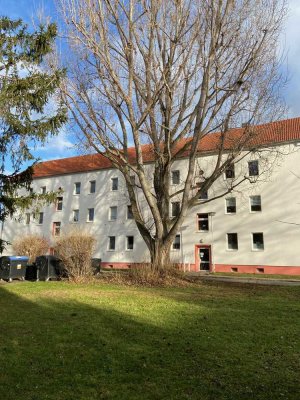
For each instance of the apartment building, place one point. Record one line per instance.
(253, 229)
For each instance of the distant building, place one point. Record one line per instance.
(255, 229)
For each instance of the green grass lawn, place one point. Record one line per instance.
(215, 341)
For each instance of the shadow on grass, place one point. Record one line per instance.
(67, 346)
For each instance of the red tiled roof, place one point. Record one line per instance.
(273, 133)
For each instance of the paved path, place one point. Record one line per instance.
(257, 281)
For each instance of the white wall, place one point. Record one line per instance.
(279, 190)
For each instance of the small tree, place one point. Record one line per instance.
(31, 246)
(75, 249)
(168, 73)
(25, 91)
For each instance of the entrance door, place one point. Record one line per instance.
(204, 258)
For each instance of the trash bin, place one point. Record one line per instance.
(31, 272)
(48, 267)
(96, 265)
(13, 267)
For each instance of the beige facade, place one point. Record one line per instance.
(255, 228)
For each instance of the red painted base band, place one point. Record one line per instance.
(244, 269)
(258, 269)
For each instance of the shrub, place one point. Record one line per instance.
(75, 249)
(144, 275)
(31, 246)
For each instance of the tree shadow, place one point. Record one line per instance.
(55, 345)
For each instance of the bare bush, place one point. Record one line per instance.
(144, 275)
(31, 246)
(75, 249)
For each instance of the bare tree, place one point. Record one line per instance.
(163, 75)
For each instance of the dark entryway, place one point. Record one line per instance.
(204, 258)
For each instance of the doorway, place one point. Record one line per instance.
(204, 258)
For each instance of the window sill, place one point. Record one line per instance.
(257, 250)
(232, 250)
(232, 213)
(202, 231)
(88, 222)
(112, 220)
(255, 212)
(111, 251)
(129, 249)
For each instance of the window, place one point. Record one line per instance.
(114, 183)
(129, 212)
(91, 214)
(113, 213)
(229, 172)
(258, 241)
(40, 218)
(203, 224)
(255, 203)
(175, 210)
(92, 186)
(253, 168)
(232, 241)
(111, 243)
(175, 177)
(27, 218)
(43, 190)
(59, 203)
(129, 242)
(203, 195)
(56, 228)
(176, 243)
(230, 205)
(75, 215)
(132, 179)
(77, 187)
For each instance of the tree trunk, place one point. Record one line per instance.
(160, 255)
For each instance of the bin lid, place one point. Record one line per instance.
(17, 258)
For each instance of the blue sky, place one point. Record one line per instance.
(61, 146)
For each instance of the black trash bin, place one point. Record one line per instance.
(31, 272)
(13, 267)
(48, 267)
(96, 265)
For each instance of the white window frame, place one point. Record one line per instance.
(110, 213)
(253, 161)
(59, 201)
(54, 226)
(43, 189)
(175, 172)
(203, 219)
(126, 243)
(172, 211)
(27, 218)
(203, 198)
(226, 211)
(250, 205)
(92, 182)
(39, 218)
(112, 180)
(176, 243)
(252, 241)
(77, 185)
(109, 243)
(88, 214)
(75, 216)
(227, 169)
(127, 213)
(237, 241)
